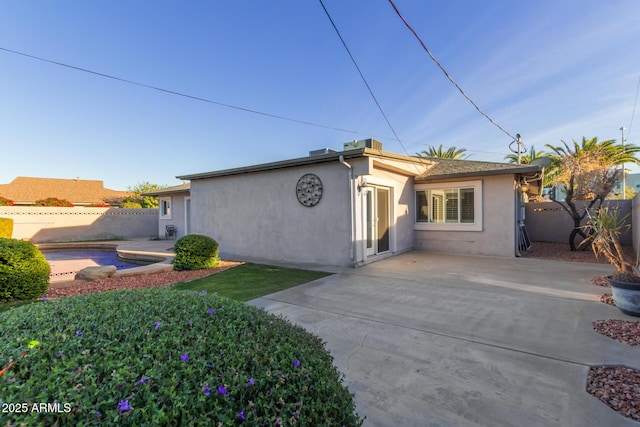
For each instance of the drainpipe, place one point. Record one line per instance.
(352, 251)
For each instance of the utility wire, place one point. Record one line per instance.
(197, 98)
(433, 58)
(363, 79)
(633, 113)
(172, 92)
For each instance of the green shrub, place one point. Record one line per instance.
(131, 205)
(6, 228)
(6, 202)
(24, 271)
(55, 202)
(160, 357)
(195, 251)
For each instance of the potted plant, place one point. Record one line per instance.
(604, 229)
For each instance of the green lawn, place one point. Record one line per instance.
(242, 283)
(248, 281)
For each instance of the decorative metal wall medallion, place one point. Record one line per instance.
(309, 190)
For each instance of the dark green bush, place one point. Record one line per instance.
(161, 357)
(195, 251)
(6, 228)
(24, 271)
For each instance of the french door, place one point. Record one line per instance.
(377, 207)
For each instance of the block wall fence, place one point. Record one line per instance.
(53, 224)
(549, 222)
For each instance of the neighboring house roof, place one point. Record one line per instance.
(431, 168)
(182, 188)
(26, 190)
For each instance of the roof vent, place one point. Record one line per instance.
(363, 143)
(321, 151)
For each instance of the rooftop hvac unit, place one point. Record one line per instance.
(321, 151)
(363, 143)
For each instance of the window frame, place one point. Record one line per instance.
(162, 202)
(476, 225)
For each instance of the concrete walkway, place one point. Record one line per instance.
(427, 339)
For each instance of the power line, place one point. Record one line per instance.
(433, 58)
(363, 78)
(172, 92)
(633, 113)
(197, 98)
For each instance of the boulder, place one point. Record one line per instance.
(96, 273)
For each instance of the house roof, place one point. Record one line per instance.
(26, 190)
(182, 188)
(437, 168)
(457, 168)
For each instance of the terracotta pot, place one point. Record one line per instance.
(626, 296)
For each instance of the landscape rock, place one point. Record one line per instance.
(96, 273)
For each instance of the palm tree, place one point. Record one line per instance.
(525, 159)
(588, 171)
(451, 153)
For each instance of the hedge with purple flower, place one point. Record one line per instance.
(166, 357)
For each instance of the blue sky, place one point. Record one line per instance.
(549, 70)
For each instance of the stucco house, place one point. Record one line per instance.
(174, 210)
(355, 206)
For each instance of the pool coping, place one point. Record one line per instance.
(163, 262)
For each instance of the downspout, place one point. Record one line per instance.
(517, 216)
(353, 212)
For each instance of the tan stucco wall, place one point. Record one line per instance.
(498, 232)
(258, 215)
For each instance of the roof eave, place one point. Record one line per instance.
(302, 161)
(514, 171)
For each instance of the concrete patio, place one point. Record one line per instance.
(429, 339)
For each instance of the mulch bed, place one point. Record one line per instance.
(140, 281)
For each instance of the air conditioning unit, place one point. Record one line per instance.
(321, 151)
(363, 143)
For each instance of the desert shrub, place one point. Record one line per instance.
(131, 205)
(160, 357)
(54, 202)
(6, 202)
(24, 271)
(195, 251)
(6, 228)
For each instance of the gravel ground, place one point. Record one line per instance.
(616, 386)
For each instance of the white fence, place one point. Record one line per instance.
(52, 224)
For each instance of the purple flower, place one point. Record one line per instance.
(59, 355)
(124, 406)
(43, 299)
(242, 415)
(156, 324)
(204, 292)
(184, 357)
(79, 333)
(206, 391)
(211, 311)
(296, 363)
(98, 414)
(251, 382)
(143, 380)
(222, 389)
(189, 322)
